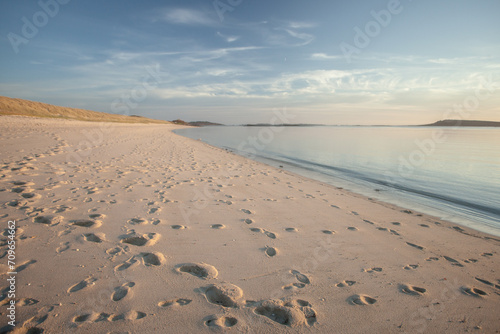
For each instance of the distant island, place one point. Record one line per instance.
(195, 123)
(285, 124)
(458, 122)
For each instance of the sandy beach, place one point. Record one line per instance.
(130, 228)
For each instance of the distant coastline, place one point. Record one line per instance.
(458, 122)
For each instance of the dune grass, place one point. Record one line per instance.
(12, 106)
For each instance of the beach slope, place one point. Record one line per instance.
(132, 228)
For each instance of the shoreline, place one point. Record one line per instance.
(451, 224)
(151, 230)
(421, 205)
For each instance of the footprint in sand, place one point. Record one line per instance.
(24, 265)
(82, 285)
(248, 212)
(270, 234)
(33, 321)
(152, 259)
(371, 270)
(19, 190)
(248, 221)
(63, 246)
(217, 226)
(352, 228)
(222, 321)
(291, 313)
(291, 229)
(127, 264)
(415, 246)
(294, 286)
(138, 221)
(98, 317)
(201, 270)
(432, 258)
(175, 302)
(62, 208)
(97, 216)
(411, 290)
(94, 237)
(328, 232)
(411, 267)
(300, 277)
(472, 291)
(26, 302)
(271, 251)
(487, 282)
(471, 261)
(345, 283)
(115, 251)
(154, 210)
(361, 300)
(122, 291)
(394, 232)
(178, 227)
(86, 223)
(87, 316)
(223, 294)
(453, 261)
(48, 220)
(133, 238)
(31, 196)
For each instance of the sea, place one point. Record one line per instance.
(452, 173)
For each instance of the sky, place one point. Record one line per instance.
(243, 61)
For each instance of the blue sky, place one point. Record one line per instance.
(238, 61)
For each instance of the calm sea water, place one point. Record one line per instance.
(451, 173)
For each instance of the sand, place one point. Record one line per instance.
(130, 228)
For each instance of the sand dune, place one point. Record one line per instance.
(144, 231)
(11, 106)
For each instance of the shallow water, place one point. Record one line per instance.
(452, 173)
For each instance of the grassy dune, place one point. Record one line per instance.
(11, 106)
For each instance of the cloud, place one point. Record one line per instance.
(306, 38)
(324, 56)
(301, 25)
(228, 38)
(188, 17)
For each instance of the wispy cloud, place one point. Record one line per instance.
(324, 56)
(301, 25)
(228, 38)
(188, 17)
(304, 37)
